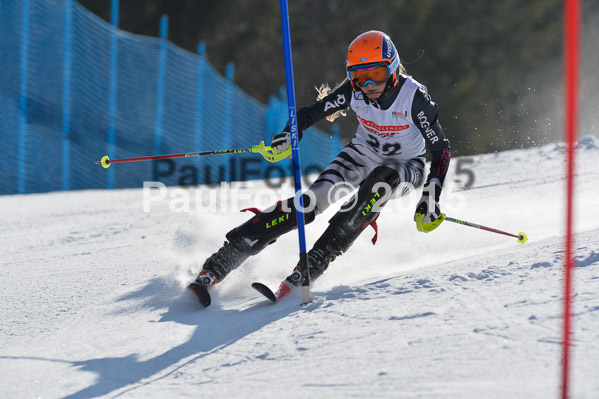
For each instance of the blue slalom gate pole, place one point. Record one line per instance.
(297, 175)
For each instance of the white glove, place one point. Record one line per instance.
(280, 142)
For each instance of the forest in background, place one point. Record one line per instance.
(494, 68)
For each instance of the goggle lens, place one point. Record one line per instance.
(376, 74)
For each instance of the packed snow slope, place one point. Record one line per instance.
(93, 301)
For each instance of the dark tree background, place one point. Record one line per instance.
(494, 67)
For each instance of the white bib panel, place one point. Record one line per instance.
(390, 132)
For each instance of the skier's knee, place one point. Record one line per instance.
(373, 194)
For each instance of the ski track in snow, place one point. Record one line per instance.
(93, 301)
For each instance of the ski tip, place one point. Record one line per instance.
(201, 293)
(264, 290)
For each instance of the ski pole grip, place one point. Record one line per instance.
(267, 153)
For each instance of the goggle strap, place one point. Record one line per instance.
(394, 65)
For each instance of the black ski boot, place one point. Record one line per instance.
(325, 250)
(219, 264)
(216, 267)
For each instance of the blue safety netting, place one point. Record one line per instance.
(74, 88)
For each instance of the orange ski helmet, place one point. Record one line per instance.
(366, 53)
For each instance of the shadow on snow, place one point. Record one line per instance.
(217, 328)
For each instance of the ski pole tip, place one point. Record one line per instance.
(105, 162)
(522, 238)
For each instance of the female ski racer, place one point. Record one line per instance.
(396, 119)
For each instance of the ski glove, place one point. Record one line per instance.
(428, 215)
(280, 142)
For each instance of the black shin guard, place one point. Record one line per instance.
(264, 228)
(256, 234)
(350, 221)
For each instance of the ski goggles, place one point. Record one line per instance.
(376, 74)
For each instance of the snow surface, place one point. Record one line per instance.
(93, 301)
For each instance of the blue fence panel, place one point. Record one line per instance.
(47, 80)
(10, 79)
(74, 88)
(90, 98)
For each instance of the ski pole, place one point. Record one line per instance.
(522, 238)
(261, 149)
